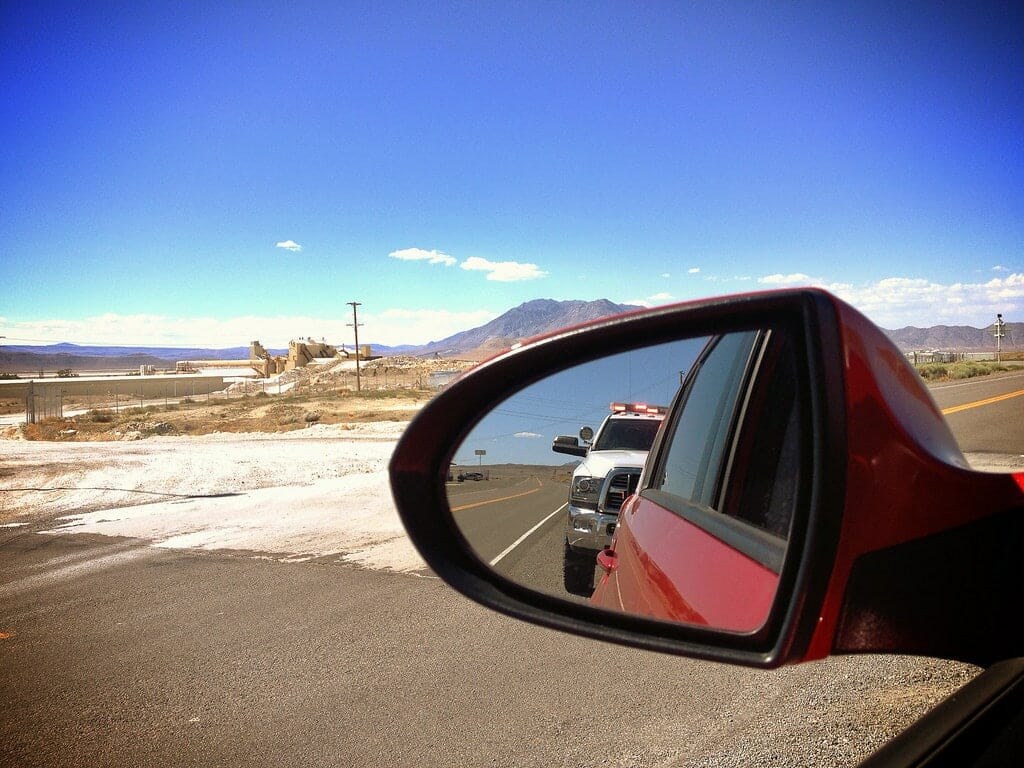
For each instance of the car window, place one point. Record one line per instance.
(766, 467)
(696, 444)
(627, 435)
(731, 461)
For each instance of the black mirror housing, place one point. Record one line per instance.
(568, 445)
(418, 464)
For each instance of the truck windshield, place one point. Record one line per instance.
(627, 435)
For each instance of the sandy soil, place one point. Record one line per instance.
(319, 491)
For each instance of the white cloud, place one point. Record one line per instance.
(435, 315)
(896, 302)
(1010, 287)
(419, 326)
(1000, 268)
(419, 254)
(528, 435)
(289, 245)
(390, 327)
(652, 301)
(503, 271)
(693, 271)
(893, 302)
(797, 278)
(666, 275)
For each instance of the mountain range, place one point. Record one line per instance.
(532, 318)
(957, 338)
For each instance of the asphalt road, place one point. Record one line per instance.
(114, 653)
(986, 414)
(119, 654)
(516, 524)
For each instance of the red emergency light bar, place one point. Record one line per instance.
(638, 408)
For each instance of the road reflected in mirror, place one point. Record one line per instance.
(659, 481)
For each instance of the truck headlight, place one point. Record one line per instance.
(584, 490)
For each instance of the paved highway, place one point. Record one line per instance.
(986, 414)
(515, 524)
(116, 653)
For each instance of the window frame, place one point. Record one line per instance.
(760, 545)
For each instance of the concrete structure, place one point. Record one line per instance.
(44, 398)
(263, 362)
(194, 366)
(302, 353)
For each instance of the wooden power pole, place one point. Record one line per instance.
(355, 327)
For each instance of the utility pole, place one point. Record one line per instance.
(999, 333)
(355, 327)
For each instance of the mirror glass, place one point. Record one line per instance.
(660, 481)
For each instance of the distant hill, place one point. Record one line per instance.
(530, 319)
(53, 357)
(956, 338)
(544, 315)
(163, 353)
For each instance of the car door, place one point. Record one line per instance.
(704, 539)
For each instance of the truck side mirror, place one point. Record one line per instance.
(569, 445)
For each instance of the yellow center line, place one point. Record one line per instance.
(495, 501)
(987, 401)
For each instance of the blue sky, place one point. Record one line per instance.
(181, 174)
(522, 429)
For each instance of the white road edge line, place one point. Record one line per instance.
(525, 536)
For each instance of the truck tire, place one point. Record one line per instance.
(578, 572)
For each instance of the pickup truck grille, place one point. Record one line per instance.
(619, 485)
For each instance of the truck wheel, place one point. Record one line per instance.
(578, 572)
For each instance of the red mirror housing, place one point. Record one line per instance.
(896, 545)
(929, 552)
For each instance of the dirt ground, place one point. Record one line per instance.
(392, 389)
(259, 412)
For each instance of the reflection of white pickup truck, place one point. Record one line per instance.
(608, 474)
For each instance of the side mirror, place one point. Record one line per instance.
(802, 494)
(569, 445)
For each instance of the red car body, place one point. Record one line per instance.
(663, 566)
(714, 585)
(893, 543)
